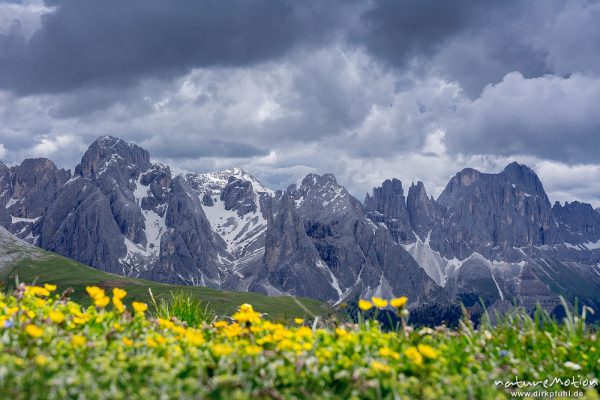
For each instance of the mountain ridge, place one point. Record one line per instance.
(485, 235)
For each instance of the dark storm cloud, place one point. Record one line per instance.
(85, 42)
(283, 87)
(87, 102)
(202, 148)
(398, 30)
(479, 42)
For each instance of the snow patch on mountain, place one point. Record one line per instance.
(238, 232)
(334, 281)
(243, 232)
(28, 220)
(13, 201)
(212, 183)
(139, 256)
(430, 260)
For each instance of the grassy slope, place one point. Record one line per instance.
(55, 269)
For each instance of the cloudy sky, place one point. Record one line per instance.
(368, 90)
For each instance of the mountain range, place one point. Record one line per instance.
(494, 237)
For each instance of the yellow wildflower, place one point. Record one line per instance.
(74, 309)
(379, 302)
(127, 342)
(341, 332)
(194, 337)
(286, 344)
(299, 321)
(82, 319)
(323, 354)
(94, 291)
(49, 287)
(139, 308)
(78, 340)
(41, 360)
(151, 342)
(195, 340)
(101, 301)
(247, 314)
(413, 355)
(253, 350)
(233, 330)
(220, 324)
(11, 310)
(399, 302)
(180, 330)
(389, 353)
(265, 339)
(365, 305)
(221, 349)
(118, 304)
(56, 316)
(246, 308)
(34, 331)
(37, 291)
(427, 351)
(380, 367)
(165, 323)
(303, 332)
(119, 293)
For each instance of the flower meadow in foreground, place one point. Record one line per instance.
(52, 348)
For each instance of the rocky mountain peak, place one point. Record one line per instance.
(523, 178)
(5, 195)
(422, 210)
(576, 222)
(388, 206)
(517, 179)
(291, 261)
(320, 196)
(34, 183)
(108, 152)
(319, 180)
(238, 195)
(212, 183)
(518, 170)
(387, 199)
(494, 213)
(417, 189)
(466, 177)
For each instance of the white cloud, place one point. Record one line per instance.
(24, 16)
(48, 146)
(548, 117)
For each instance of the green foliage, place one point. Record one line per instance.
(434, 314)
(183, 306)
(53, 348)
